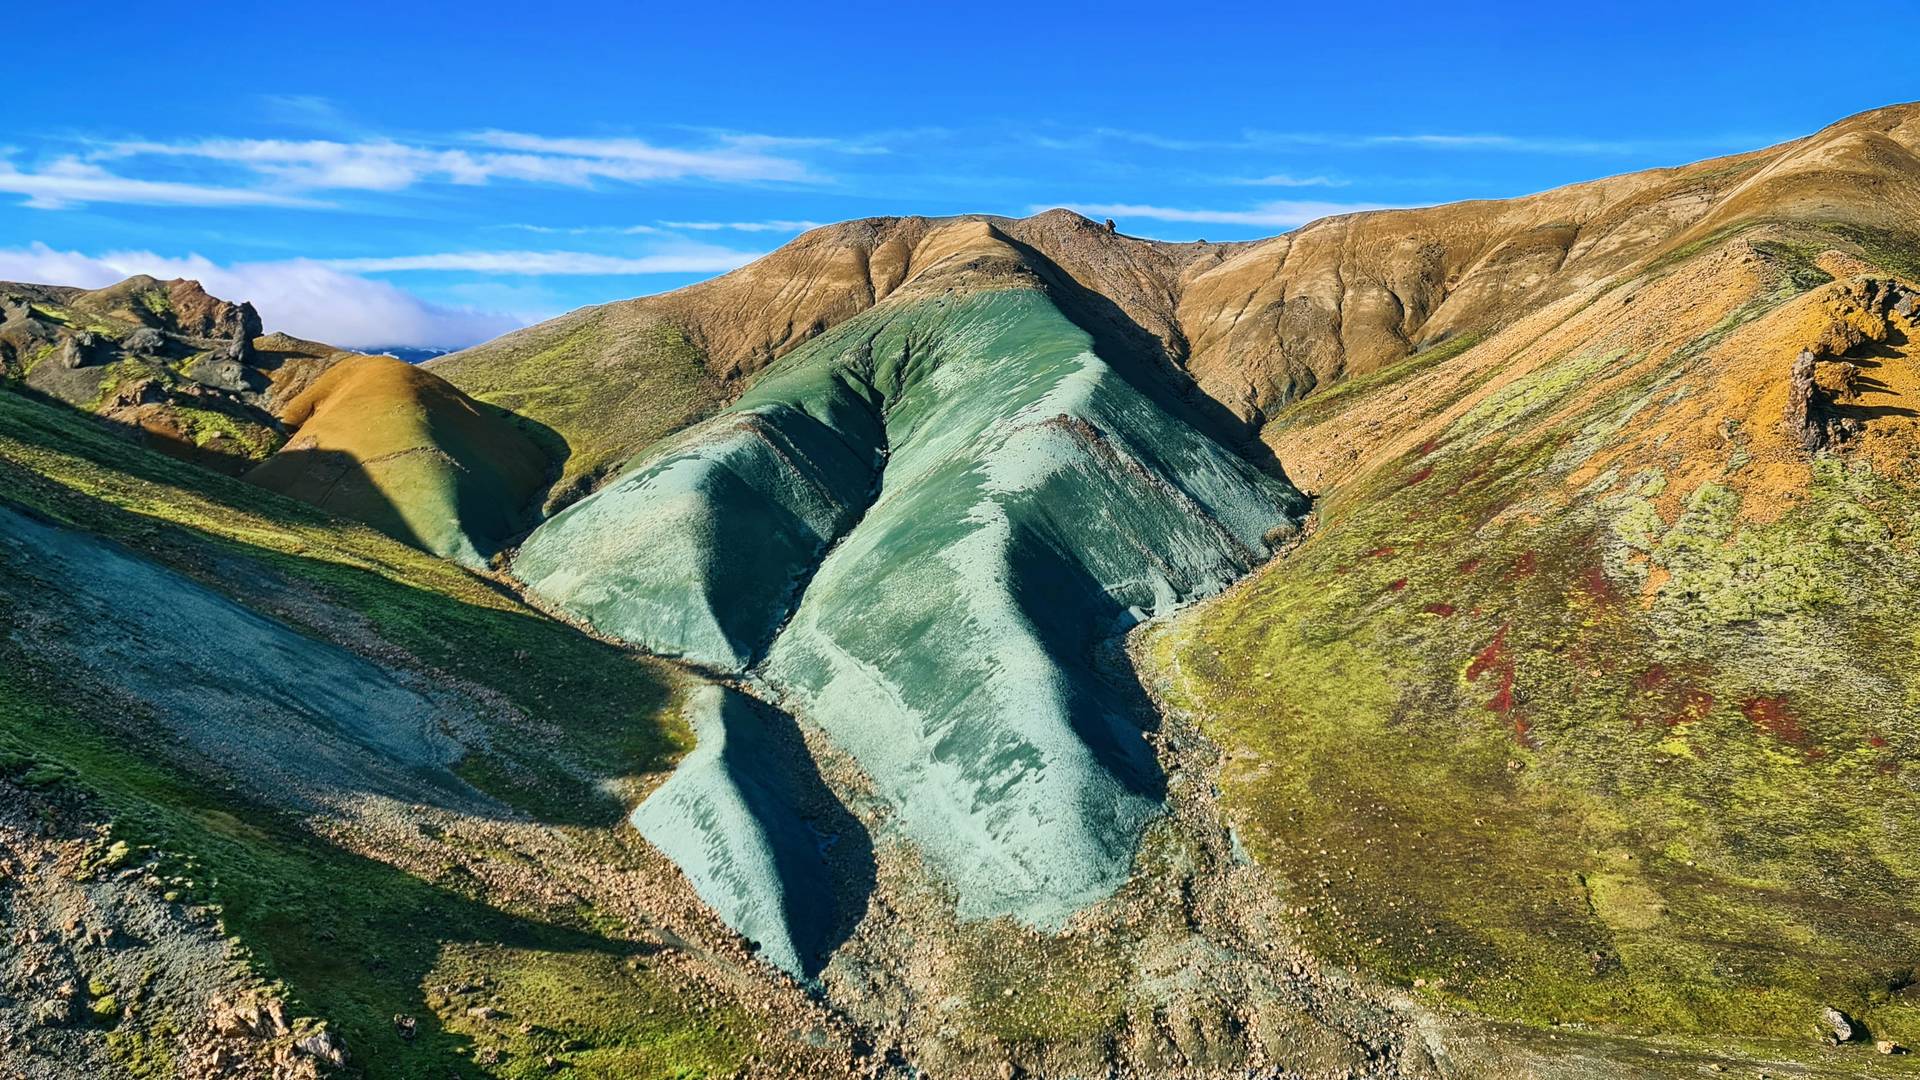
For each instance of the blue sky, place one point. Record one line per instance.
(415, 174)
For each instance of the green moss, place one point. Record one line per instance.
(1331, 400)
(1570, 762)
(1042, 990)
(352, 939)
(144, 1055)
(202, 426)
(595, 1015)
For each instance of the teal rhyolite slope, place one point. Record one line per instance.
(750, 822)
(949, 503)
(227, 682)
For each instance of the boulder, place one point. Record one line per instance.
(77, 350)
(325, 1046)
(1836, 1026)
(145, 341)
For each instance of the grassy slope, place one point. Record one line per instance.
(355, 940)
(1625, 748)
(608, 380)
(384, 442)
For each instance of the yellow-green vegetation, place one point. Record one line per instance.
(349, 938)
(203, 426)
(1328, 401)
(381, 441)
(544, 1012)
(608, 382)
(1562, 759)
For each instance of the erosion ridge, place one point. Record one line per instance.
(1000, 499)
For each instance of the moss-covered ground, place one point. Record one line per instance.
(358, 941)
(600, 385)
(1599, 754)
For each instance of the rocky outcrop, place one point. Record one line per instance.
(1810, 407)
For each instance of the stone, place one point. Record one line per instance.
(146, 341)
(77, 350)
(325, 1046)
(1888, 1046)
(1836, 1025)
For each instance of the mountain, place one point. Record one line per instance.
(193, 376)
(1473, 641)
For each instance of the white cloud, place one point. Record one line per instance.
(697, 259)
(385, 164)
(299, 296)
(1286, 180)
(69, 182)
(744, 226)
(1280, 214)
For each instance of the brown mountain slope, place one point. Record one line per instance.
(613, 378)
(1256, 325)
(1349, 295)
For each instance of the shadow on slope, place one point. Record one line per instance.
(387, 443)
(1137, 356)
(358, 942)
(749, 820)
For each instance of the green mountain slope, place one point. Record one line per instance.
(998, 501)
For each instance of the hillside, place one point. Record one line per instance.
(380, 441)
(1465, 642)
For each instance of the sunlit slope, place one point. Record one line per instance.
(1592, 697)
(276, 701)
(381, 441)
(748, 819)
(998, 501)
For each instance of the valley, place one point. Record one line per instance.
(1471, 641)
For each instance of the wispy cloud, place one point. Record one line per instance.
(390, 165)
(584, 230)
(697, 260)
(300, 296)
(68, 182)
(1279, 214)
(1287, 180)
(781, 226)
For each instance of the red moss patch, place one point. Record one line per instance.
(1398, 585)
(1597, 587)
(1494, 655)
(1695, 704)
(1524, 566)
(1418, 476)
(1770, 715)
(1445, 611)
(1381, 553)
